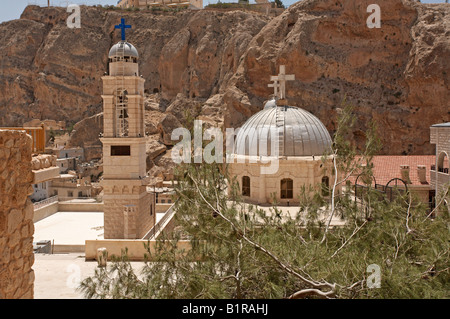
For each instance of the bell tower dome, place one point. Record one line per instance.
(123, 59)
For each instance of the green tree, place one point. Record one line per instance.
(241, 251)
(279, 4)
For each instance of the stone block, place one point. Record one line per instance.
(14, 238)
(24, 231)
(14, 219)
(9, 143)
(29, 211)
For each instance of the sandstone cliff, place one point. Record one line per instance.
(217, 65)
(397, 75)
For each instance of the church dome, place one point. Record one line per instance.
(125, 48)
(300, 133)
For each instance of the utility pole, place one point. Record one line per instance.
(48, 3)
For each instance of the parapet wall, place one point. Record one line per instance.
(16, 216)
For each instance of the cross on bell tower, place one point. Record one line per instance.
(122, 26)
(281, 78)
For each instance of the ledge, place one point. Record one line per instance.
(45, 174)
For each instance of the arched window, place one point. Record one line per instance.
(121, 113)
(325, 186)
(287, 188)
(245, 186)
(443, 163)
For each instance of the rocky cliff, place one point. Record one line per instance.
(217, 65)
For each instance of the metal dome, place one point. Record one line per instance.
(300, 133)
(123, 47)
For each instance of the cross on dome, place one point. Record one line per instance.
(123, 26)
(282, 77)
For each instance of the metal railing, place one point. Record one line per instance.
(97, 199)
(158, 226)
(45, 202)
(444, 170)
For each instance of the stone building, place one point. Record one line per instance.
(16, 216)
(402, 172)
(440, 172)
(128, 208)
(144, 4)
(289, 139)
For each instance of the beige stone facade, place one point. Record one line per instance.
(304, 172)
(129, 210)
(277, 153)
(144, 4)
(16, 216)
(440, 173)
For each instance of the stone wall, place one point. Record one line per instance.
(303, 171)
(133, 224)
(16, 216)
(440, 135)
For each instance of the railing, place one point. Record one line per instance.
(97, 199)
(158, 226)
(45, 202)
(440, 169)
(390, 192)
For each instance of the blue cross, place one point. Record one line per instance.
(123, 26)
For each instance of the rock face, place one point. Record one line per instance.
(16, 216)
(218, 64)
(397, 75)
(86, 134)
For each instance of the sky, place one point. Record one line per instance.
(12, 9)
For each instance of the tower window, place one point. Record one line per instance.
(121, 113)
(245, 186)
(120, 150)
(287, 188)
(443, 163)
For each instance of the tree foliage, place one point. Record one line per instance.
(279, 4)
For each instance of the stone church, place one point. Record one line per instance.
(289, 137)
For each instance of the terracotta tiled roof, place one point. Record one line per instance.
(387, 167)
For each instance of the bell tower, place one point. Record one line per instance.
(129, 210)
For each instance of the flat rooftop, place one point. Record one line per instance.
(58, 276)
(70, 228)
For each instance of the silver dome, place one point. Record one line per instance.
(300, 133)
(125, 48)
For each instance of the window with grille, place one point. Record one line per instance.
(245, 186)
(325, 186)
(287, 188)
(121, 113)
